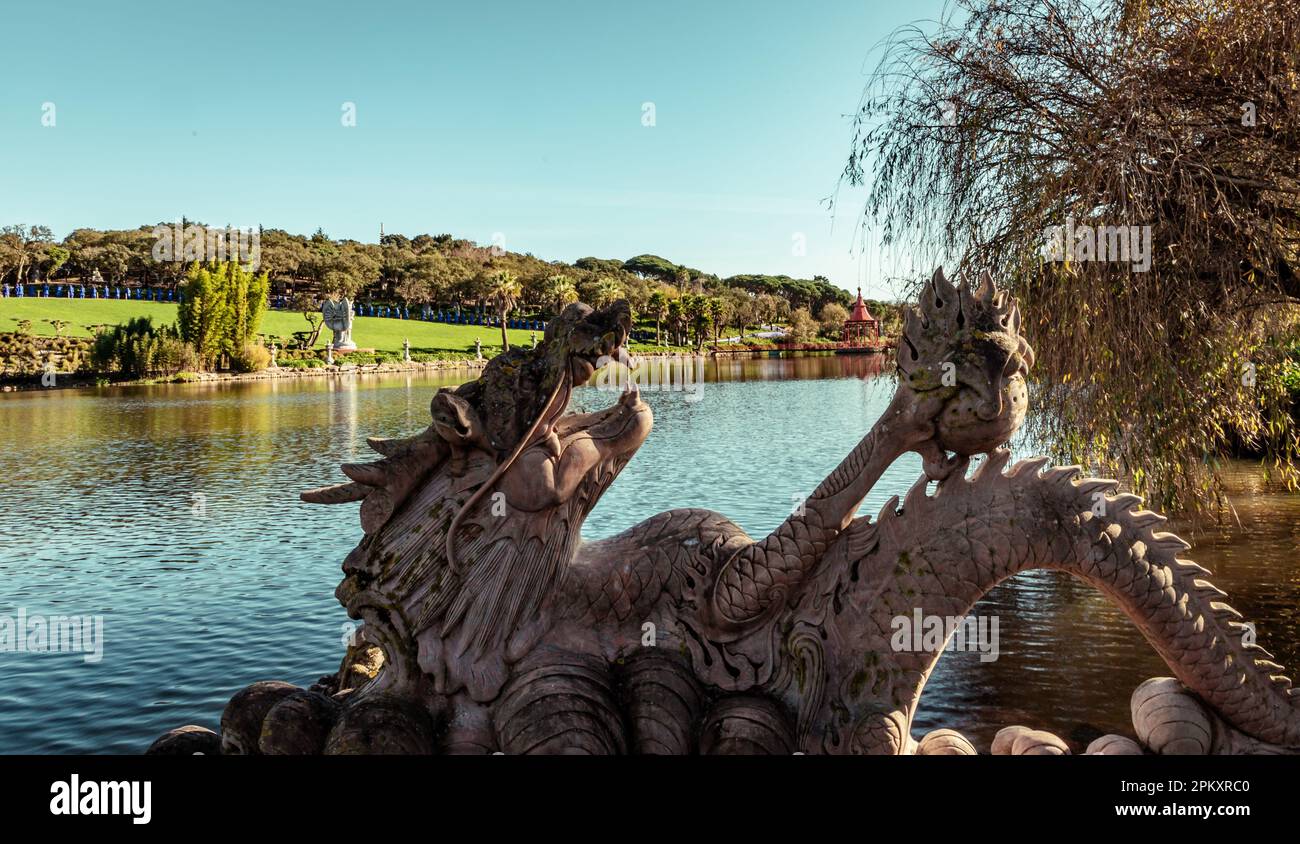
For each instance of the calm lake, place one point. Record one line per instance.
(173, 512)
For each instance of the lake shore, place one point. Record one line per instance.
(10, 383)
(78, 380)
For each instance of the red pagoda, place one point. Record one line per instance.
(860, 322)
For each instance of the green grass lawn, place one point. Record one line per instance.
(377, 333)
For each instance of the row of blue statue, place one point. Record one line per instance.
(425, 313)
(90, 291)
(429, 314)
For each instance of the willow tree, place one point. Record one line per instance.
(1012, 123)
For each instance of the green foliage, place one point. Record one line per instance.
(653, 266)
(56, 257)
(251, 357)
(1290, 372)
(222, 309)
(430, 357)
(984, 131)
(803, 328)
(139, 349)
(812, 294)
(203, 314)
(301, 363)
(439, 270)
(24, 354)
(601, 292)
(832, 317)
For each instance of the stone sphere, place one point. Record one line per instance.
(190, 740)
(1169, 719)
(1039, 743)
(298, 724)
(241, 722)
(1022, 741)
(382, 724)
(1113, 745)
(945, 743)
(1006, 738)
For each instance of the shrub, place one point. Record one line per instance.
(139, 349)
(251, 357)
(129, 349)
(301, 363)
(429, 357)
(175, 355)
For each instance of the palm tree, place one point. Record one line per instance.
(720, 311)
(658, 305)
(698, 316)
(606, 291)
(561, 291)
(504, 292)
(675, 313)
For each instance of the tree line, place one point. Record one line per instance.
(688, 305)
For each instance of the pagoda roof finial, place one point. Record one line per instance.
(860, 312)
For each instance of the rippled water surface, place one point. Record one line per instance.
(172, 511)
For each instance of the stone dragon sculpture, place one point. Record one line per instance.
(488, 625)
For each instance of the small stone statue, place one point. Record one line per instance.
(406, 349)
(338, 318)
(533, 337)
(478, 349)
(329, 355)
(273, 353)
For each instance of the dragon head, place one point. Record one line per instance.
(583, 336)
(962, 350)
(523, 391)
(461, 547)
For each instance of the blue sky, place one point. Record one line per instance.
(523, 119)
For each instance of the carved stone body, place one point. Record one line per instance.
(490, 626)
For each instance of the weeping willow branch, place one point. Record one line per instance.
(1004, 119)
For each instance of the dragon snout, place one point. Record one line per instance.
(990, 408)
(1000, 366)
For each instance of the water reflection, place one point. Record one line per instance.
(101, 515)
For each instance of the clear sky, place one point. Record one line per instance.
(475, 118)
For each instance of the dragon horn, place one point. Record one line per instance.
(336, 494)
(370, 474)
(389, 446)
